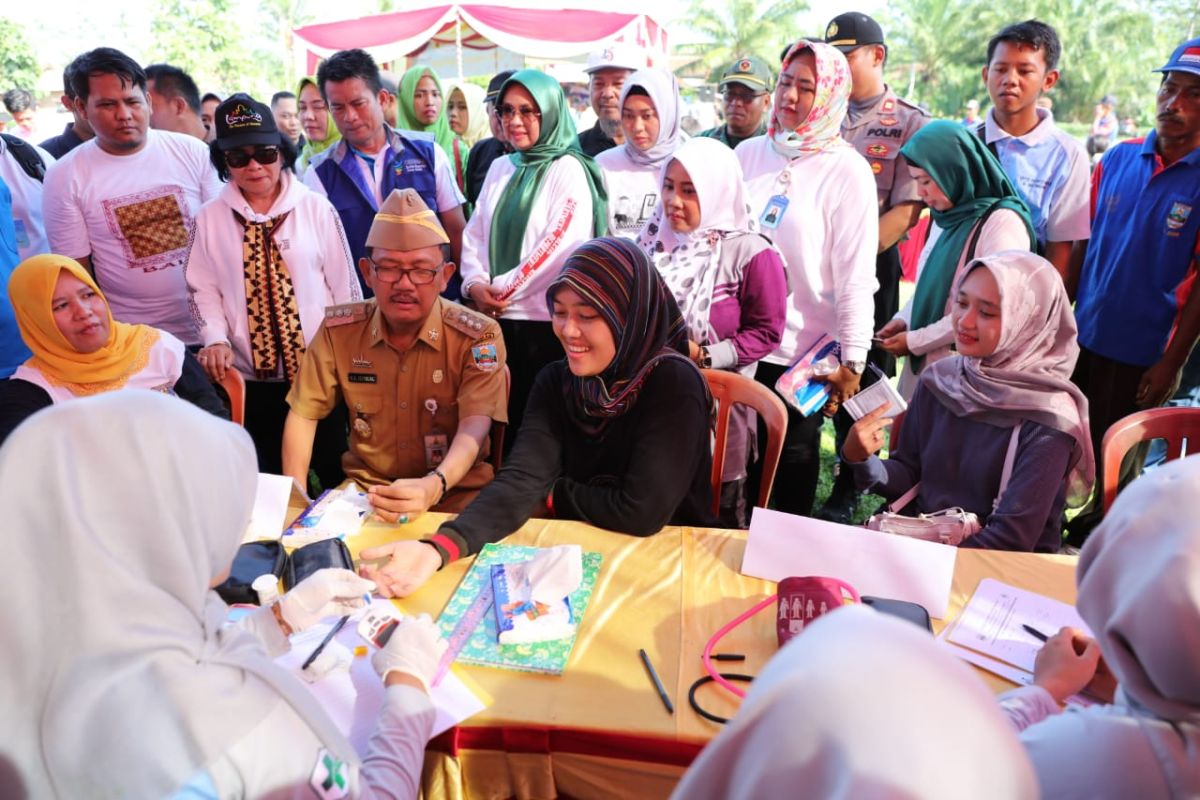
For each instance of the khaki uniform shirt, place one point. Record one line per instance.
(878, 136)
(404, 406)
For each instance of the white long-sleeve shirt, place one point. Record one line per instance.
(560, 221)
(1105, 751)
(828, 234)
(311, 243)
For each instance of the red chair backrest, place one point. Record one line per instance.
(1175, 425)
(729, 389)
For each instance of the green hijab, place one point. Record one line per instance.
(406, 114)
(973, 180)
(332, 136)
(556, 139)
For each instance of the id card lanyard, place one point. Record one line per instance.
(777, 205)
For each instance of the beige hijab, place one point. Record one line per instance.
(862, 705)
(118, 678)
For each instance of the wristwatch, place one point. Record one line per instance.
(857, 367)
(705, 360)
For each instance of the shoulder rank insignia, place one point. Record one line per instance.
(345, 313)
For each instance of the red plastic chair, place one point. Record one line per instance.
(1175, 425)
(235, 388)
(729, 389)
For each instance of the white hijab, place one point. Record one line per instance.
(689, 262)
(1139, 590)
(663, 89)
(862, 705)
(118, 682)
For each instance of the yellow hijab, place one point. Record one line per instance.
(31, 290)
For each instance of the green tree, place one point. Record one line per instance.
(744, 28)
(204, 37)
(18, 61)
(283, 17)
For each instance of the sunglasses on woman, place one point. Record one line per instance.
(236, 159)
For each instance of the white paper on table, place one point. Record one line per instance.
(992, 622)
(271, 495)
(881, 564)
(353, 699)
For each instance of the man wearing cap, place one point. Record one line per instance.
(422, 377)
(607, 70)
(372, 159)
(746, 93)
(485, 151)
(1136, 307)
(877, 125)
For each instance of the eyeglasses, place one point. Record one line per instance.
(745, 98)
(236, 159)
(527, 113)
(418, 277)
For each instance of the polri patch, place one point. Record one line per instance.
(485, 358)
(363, 377)
(330, 776)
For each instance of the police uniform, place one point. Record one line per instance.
(404, 407)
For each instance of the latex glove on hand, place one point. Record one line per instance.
(326, 593)
(415, 649)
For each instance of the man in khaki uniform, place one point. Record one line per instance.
(877, 125)
(422, 377)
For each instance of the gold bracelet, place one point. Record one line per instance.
(283, 625)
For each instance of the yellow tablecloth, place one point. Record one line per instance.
(547, 736)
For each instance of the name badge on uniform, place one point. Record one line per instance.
(436, 445)
(773, 214)
(363, 377)
(485, 357)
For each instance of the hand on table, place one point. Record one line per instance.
(486, 300)
(1066, 663)
(409, 564)
(415, 649)
(216, 359)
(326, 593)
(865, 436)
(404, 500)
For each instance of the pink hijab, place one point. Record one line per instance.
(822, 128)
(1029, 375)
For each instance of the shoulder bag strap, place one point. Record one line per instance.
(1009, 458)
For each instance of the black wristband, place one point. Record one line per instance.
(442, 478)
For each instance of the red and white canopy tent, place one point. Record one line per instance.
(546, 33)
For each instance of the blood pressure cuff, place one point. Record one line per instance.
(253, 559)
(312, 557)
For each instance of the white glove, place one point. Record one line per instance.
(415, 649)
(326, 593)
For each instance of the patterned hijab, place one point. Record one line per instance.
(332, 135)
(615, 277)
(127, 352)
(689, 263)
(821, 129)
(663, 90)
(406, 115)
(556, 139)
(972, 179)
(1029, 375)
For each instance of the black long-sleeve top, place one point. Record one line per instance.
(649, 468)
(19, 399)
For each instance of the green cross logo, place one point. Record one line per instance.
(333, 768)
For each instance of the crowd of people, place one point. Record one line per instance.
(463, 303)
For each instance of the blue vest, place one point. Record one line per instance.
(1143, 244)
(411, 168)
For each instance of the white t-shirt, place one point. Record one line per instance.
(632, 191)
(828, 234)
(135, 216)
(559, 221)
(26, 202)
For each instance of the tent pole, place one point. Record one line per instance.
(458, 42)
